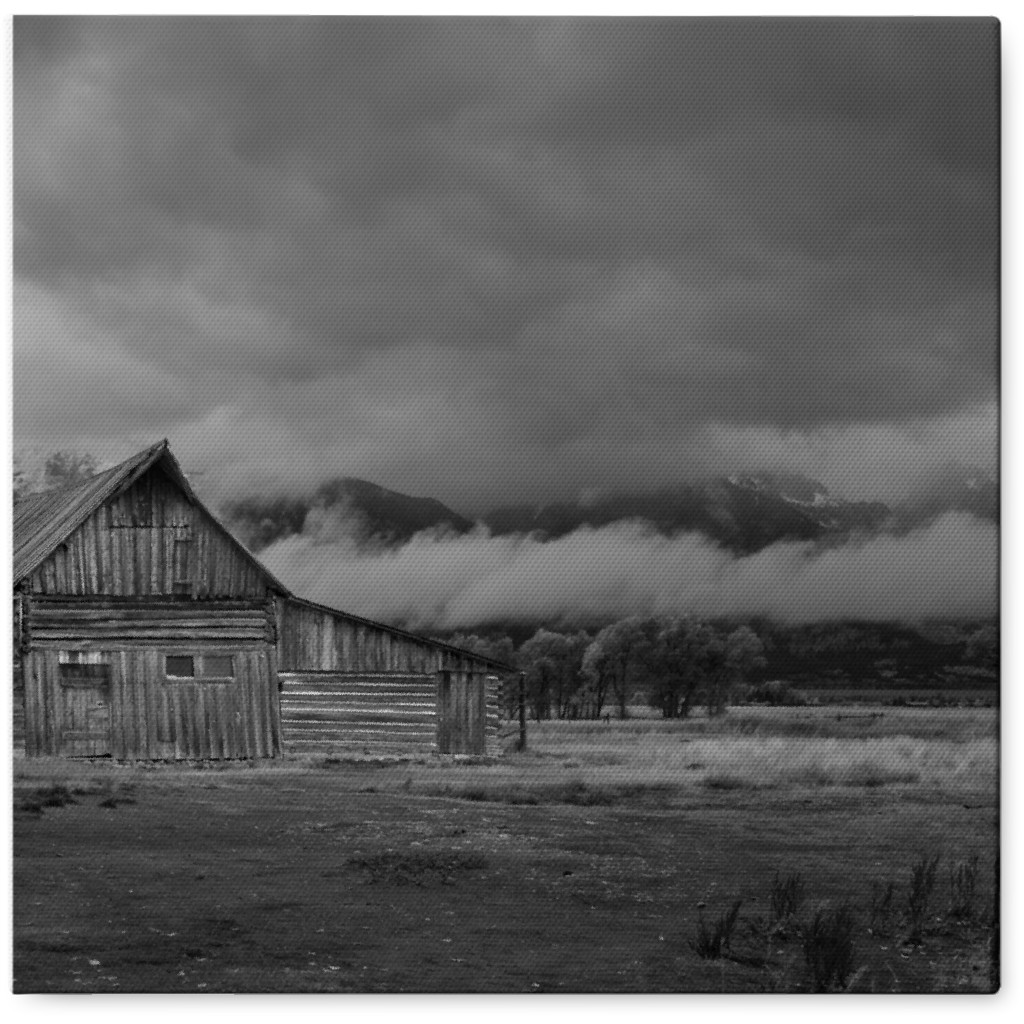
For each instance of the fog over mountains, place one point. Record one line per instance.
(758, 545)
(741, 513)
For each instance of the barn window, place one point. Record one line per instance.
(180, 666)
(199, 666)
(218, 665)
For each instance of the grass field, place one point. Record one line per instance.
(607, 857)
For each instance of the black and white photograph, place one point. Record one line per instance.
(505, 504)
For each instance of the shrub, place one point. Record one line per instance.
(963, 881)
(922, 883)
(709, 942)
(785, 898)
(829, 948)
(881, 908)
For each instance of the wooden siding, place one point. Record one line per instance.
(358, 709)
(87, 623)
(128, 548)
(461, 713)
(18, 708)
(314, 639)
(154, 718)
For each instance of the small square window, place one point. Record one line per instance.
(218, 665)
(180, 666)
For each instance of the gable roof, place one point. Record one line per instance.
(44, 521)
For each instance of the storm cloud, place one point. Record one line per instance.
(496, 260)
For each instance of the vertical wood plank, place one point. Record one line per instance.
(254, 696)
(137, 686)
(42, 700)
(130, 561)
(97, 542)
(180, 735)
(129, 730)
(218, 561)
(116, 706)
(60, 566)
(226, 704)
(187, 697)
(201, 723)
(201, 546)
(148, 663)
(105, 546)
(247, 709)
(54, 704)
(224, 718)
(167, 560)
(32, 708)
(264, 739)
(115, 560)
(268, 703)
(269, 659)
(153, 548)
(87, 539)
(210, 713)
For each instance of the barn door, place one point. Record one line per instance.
(461, 712)
(85, 710)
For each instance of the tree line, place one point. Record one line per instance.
(679, 662)
(676, 663)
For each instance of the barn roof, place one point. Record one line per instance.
(405, 634)
(43, 521)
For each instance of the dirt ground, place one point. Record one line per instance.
(423, 876)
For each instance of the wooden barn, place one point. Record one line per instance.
(145, 630)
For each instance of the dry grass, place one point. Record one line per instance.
(783, 748)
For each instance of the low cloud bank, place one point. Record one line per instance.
(948, 568)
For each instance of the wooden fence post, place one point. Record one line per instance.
(522, 712)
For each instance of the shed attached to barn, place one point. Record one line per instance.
(145, 630)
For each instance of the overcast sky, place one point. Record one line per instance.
(494, 261)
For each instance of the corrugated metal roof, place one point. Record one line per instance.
(42, 521)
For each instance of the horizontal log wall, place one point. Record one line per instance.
(82, 623)
(359, 709)
(127, 547)
(153, 718)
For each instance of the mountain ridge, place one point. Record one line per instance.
(743, 513)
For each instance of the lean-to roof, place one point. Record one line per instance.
(499, 666)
